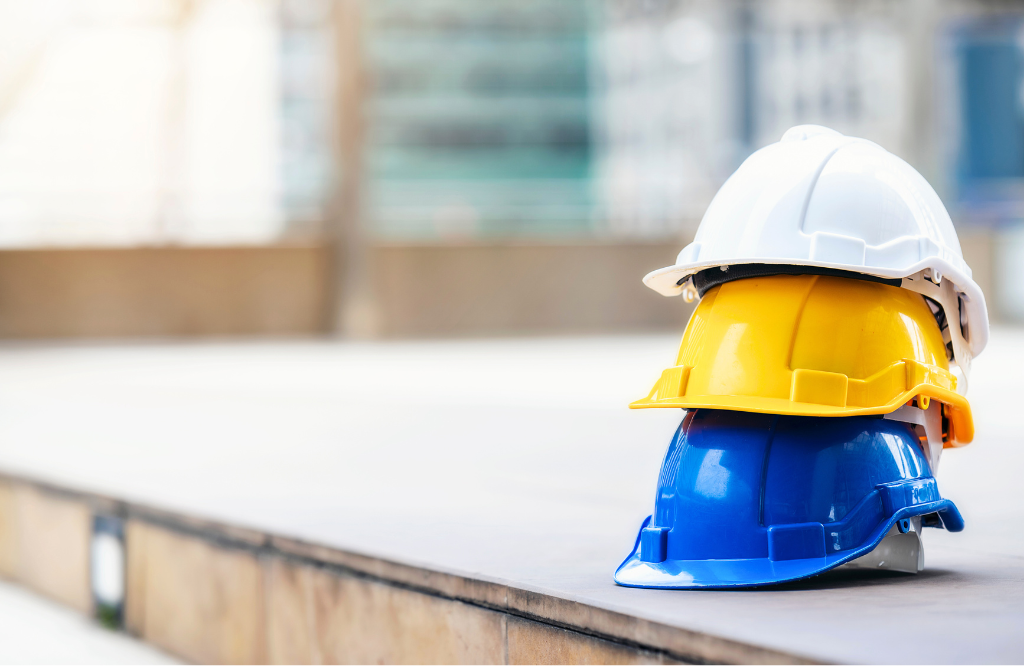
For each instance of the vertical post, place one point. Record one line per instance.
(921, 21)
(172, 159)
(351, 302)
(746, 80)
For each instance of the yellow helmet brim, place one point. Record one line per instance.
(957, 409)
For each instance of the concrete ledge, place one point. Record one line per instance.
(511, 483)
(221, 594)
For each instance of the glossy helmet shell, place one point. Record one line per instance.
(820, 199)
(750, 499)
(812, 345)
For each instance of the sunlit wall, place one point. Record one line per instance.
(150, 122)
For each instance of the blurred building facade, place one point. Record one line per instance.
(459, 167)
(479, 118)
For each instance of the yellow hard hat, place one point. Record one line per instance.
(813, 345)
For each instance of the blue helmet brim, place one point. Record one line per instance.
(708, 574)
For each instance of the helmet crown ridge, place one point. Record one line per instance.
(862, 181)
(804, 132)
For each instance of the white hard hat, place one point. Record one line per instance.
(827, 202)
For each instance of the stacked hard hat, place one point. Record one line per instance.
(822, 372)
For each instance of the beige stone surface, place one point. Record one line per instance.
(53, 534)
(691, 645)
(201, 601)
(361, 621)
(290, 617)
(8, 531)
(194, 524)
(535, 643)
(444, 583)
(135, 576)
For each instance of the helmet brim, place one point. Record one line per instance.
(959, 409)
(754, 572)
(669, 281)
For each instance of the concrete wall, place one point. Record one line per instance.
(978, 248)
(163, 291)
(413, 291)
(507, 289)
(473, 289)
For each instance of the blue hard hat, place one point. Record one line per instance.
(753, 499)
